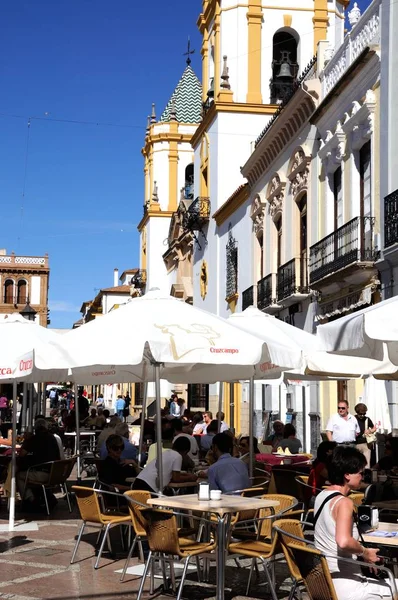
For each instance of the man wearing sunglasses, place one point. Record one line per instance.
(114, 470)
(342, 427)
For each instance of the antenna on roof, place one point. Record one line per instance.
(189, 52)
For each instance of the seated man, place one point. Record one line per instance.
(114, 470)
(39, 448)
(171, 462)
(129, 451)
(206, 441)
(193, 454)
(228, 474)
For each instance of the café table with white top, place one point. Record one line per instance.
(223, 509)
(383, 540)
(88, 433)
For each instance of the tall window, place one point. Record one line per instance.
(302, 206)
(365, 193)
(260, 255)
(189, 182)
(22, 292)
(337, 198)
(278, 225)
(198, 396)
(232, 266)
(8, 291)
(365, 179)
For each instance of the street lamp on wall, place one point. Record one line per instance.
(28, 312)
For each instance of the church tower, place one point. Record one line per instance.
(252, 58)
(168, 167)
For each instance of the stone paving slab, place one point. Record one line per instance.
(35, 565)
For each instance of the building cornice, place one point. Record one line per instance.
(239, 197)
(229, 107)
(282, 132)
(364, 58)
(151, 214)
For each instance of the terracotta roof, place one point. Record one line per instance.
(118, 288)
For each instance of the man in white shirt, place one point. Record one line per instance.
(194, 450)
(171, 462)
(342, 427)
(201, 428)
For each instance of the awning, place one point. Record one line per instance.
(345, 304)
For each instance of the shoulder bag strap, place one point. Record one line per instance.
(318, 513)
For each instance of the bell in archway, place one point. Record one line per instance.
(285, 71)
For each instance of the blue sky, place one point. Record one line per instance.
(75, 190)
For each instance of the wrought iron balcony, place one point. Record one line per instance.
(391, 219)
(248, 297)
(266, 293)
(348, 245)
(138, 280)
(292, 281)
(197, 214)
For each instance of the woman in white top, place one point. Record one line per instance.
(337, 535)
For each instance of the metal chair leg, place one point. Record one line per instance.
(250, 575)
(130, 554)
(163, 568)
(152, 574)
(198, 566)
(184, 572)
(293, 591)
(99, 535)
(172, 575)
(141, 550)
(79, 537)
(45, 500)
(269, 579)
(66, 492)
(106, 532)
(149, 559)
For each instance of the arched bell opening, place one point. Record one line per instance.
(284, 65)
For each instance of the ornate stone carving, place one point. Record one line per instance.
(333, 149)
(204, 279)
(257, 215)
(299, 172)
(365, 33)
(360, 123)
(275, 196)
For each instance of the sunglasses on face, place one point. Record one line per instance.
(361, 414)
(117, 448)
(341, 408)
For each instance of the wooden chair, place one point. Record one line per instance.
(90, 512)
(163, 539)
(59, 472)
(309, 565)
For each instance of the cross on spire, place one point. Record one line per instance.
(189, 52)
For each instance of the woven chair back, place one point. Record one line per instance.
(88, 503)
(162, 532)
(295, 528)
(60, 471)
(140, 523)
(285, 502)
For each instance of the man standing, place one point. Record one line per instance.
(342, 427)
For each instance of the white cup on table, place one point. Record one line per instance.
(215, 494)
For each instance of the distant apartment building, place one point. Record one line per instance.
(24, 280)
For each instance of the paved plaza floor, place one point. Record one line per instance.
(35, 565)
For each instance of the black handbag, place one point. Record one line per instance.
(368, 571)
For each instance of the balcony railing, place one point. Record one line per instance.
(197, 214)
(138, 280)
(391, 219)
(349, 244)
(292, 278)
(266, 292)
(248, 297)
